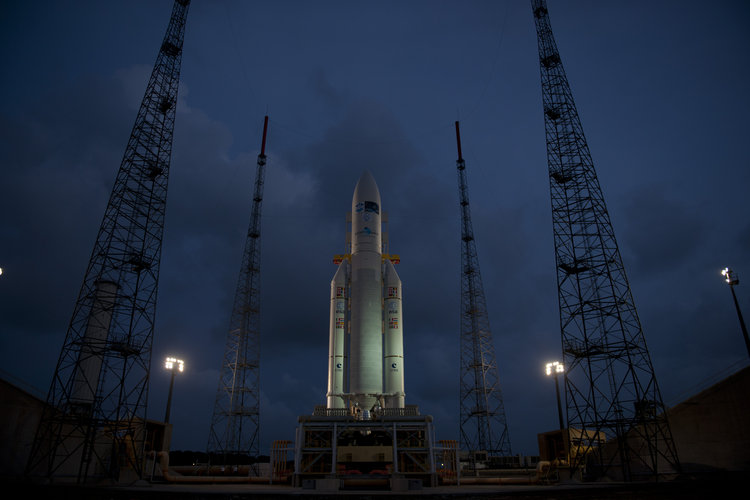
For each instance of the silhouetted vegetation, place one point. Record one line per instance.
(184, 457)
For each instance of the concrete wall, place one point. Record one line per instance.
(712, 429)
(20, 413)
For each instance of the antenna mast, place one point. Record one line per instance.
(234, 432)
(482, 419)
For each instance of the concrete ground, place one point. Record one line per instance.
(718, 487)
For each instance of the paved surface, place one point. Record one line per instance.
(715, 488)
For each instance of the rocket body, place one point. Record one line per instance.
(366, 369)
(375, 354)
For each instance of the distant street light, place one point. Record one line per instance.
(175, 365)
(731, 278)
(555, 368)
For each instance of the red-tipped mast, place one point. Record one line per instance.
(265, 129)
(458, 141)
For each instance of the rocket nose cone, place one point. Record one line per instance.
(366, 189)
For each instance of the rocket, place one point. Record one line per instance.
(366, 348)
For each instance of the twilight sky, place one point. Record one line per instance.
(661, 88)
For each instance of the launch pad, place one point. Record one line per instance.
(394, 449)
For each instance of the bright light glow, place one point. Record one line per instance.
(556, 365)
(171, 362)
(729, 276)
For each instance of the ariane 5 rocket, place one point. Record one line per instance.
(366, 342)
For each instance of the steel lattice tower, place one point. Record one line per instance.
(94, 421)
(236, 417)
(610, 386)
(482, 414)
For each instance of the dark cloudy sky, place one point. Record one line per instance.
(661, 87)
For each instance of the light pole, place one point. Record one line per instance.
(731, 278)
(555, 368)
(175, 365)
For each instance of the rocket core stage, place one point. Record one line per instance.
(366, 305)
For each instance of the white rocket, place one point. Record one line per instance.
(366, 305)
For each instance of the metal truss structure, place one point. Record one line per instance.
(612, 397)
(94, 423)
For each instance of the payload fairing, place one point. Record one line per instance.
(366, 311)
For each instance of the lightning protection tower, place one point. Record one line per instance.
(616, 418)
(93, 425)
(233, 437)
(484, 429)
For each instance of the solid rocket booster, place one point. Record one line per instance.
(376, 355)
(394, 338)
(336, 339)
